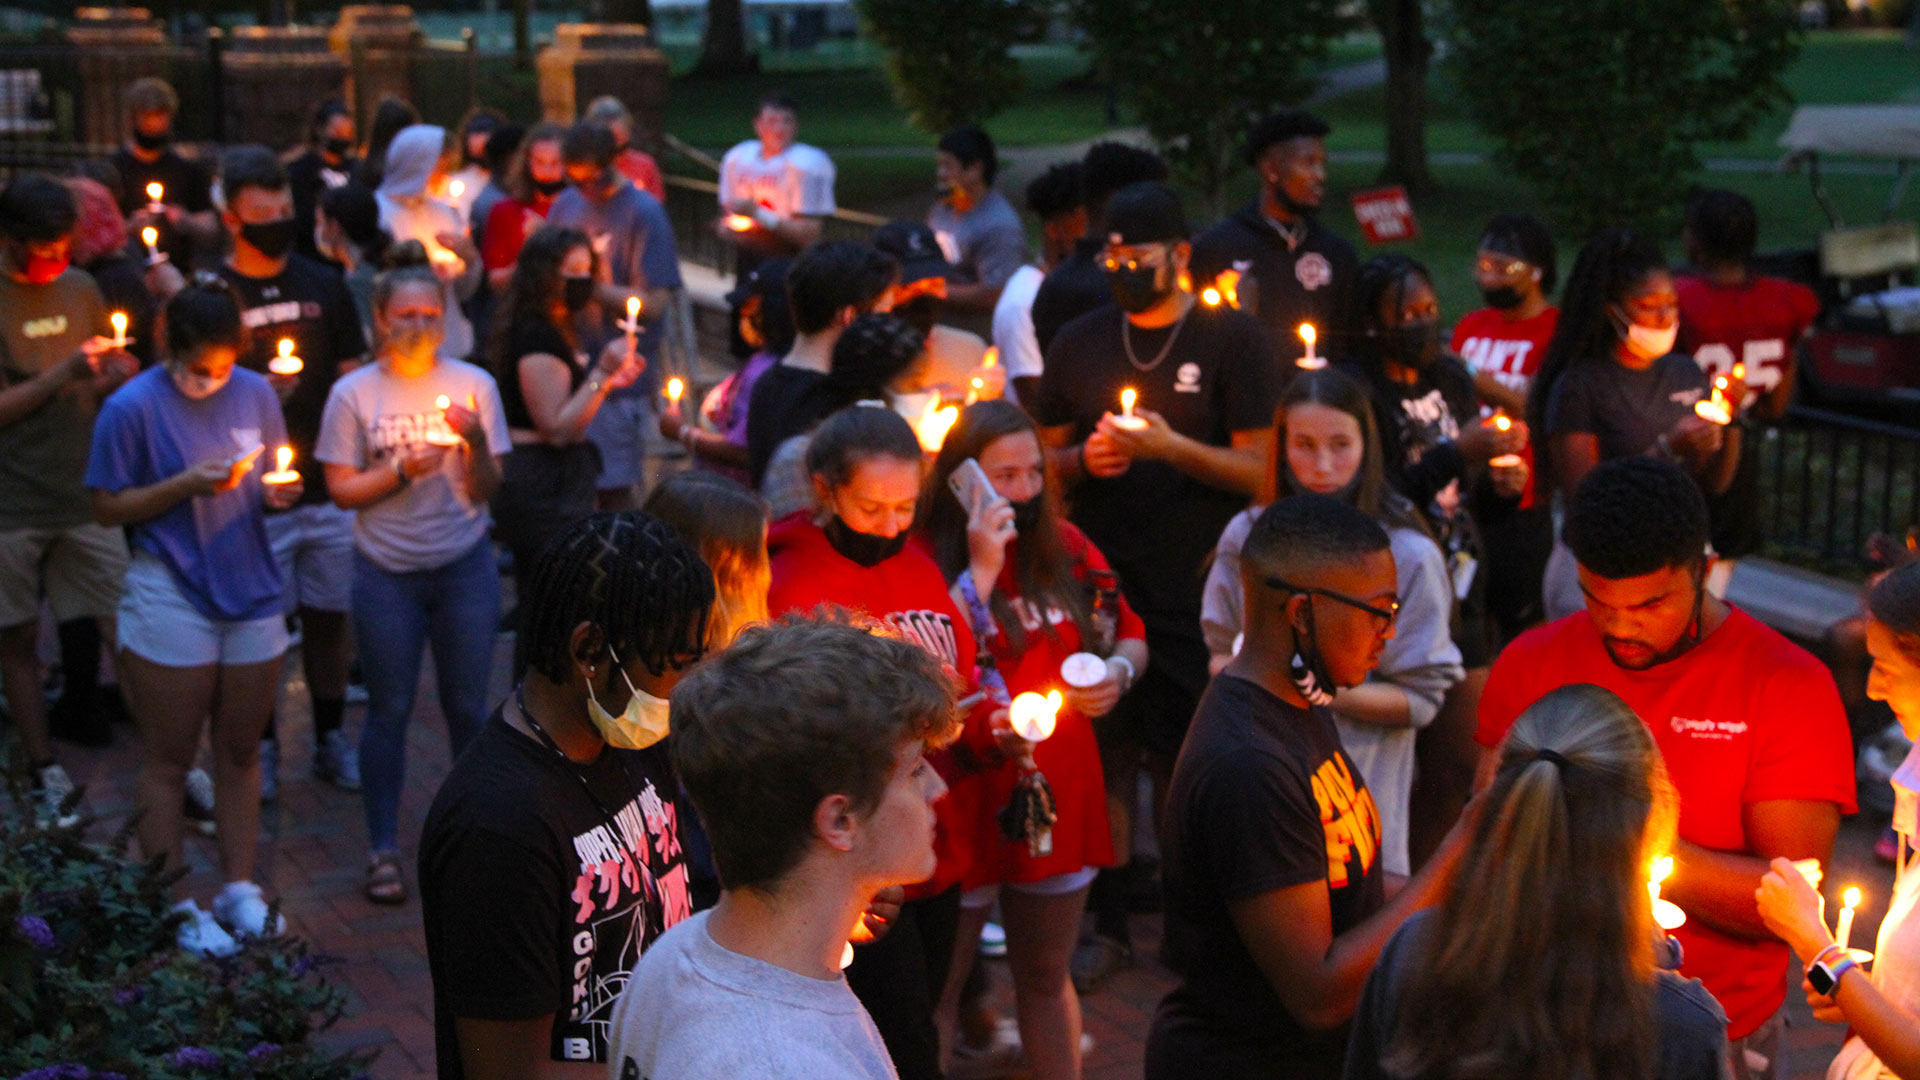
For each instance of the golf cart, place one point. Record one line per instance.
(1866, 348)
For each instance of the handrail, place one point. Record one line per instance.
(710, 187)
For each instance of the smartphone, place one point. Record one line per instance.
(245, 458)
(970, 486)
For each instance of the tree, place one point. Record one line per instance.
(951, 61)
(723, 44)
(1200, 71)
(1602, 105)
(1403, 39)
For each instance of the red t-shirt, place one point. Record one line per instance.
(639, 167)
(1069, 759)
(1756, 324)
(908, 594)
(509, 224)
(1743, 717)
(1510, 351)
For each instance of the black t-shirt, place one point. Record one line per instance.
(786, 401)
(1626, 410)
(529, 338)
(1311, 282)
(123, 284)
(1420, 424)
(1263, 798)
(1073, 288)
(539, 897)
(188, 185)
(309, 177)
(1154, 523)
(310, 304)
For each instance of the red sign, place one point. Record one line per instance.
(1385, 215)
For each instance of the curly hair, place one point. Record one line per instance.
(1636, 516)
(532, 296)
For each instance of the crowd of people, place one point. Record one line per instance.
(1420, 649)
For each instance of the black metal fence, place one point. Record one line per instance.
(1829, 481)
(693, 206)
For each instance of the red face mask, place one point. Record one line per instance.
(41, 270)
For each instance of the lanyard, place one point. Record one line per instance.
(573, 769)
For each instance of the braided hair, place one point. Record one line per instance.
(1382, 278)
(645, 592)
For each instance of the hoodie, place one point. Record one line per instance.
(407, 212)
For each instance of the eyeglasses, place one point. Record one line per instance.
(1133, 258)
(1389, 612)
(1502, 267)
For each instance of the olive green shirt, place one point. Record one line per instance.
(43, 455)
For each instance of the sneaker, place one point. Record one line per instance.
(54, 786)
(202, 936)
(356, 684)
(1002, 1054)
(993, 940)
(386, 882)
(196, 803)
(1094, 962)
(269, 770)
(336, 761)
(240, 908)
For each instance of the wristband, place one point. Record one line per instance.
(1127, 683)
(1832, 947)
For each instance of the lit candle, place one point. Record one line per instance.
(119, 320)
(1849, 900)
(456, 189)
(1665, 913)
(1229, 285)
(1715, 409)
(442, 402)
(154, 193)
(1309, 336)
(975, 389)
(286, 363)
(1500, 423)
(151, 237)
(740, 223)
(1032, 717)
(283, 471)
(1126, 419)
(675, 387)
(991, 358)
(934, 424)
(1210, 296)
(1082, 670)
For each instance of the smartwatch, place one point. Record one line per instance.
(1825, 975)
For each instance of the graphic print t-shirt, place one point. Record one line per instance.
(539, 897)
(1263, 798)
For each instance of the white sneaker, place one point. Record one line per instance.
(993, 940)
(240, 908)
(269, 770)
(202, 936)
(55, 785)
(197, 802)
(336, 760)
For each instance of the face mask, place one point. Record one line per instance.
(40, 270)
(1308, 669)
(414, 340)
(270, 238)
(1287, 203)
(641, 724)
(864, 549)
(1648, 343)
(1504, 298)
(576, 292)
(1411, 344)
(549, 188)
(197, 387)
(1026, 514)
(1136, 290)
(152, 142)
(339, 148)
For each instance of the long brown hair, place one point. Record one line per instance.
(1371, 493)
(1539, 962)
(518, 183)
(727, 525)
(1040, 563)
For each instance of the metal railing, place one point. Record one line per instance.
(1829, 481)
(693, 205)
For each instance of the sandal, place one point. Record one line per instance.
(386, 884)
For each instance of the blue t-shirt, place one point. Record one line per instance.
(215, 545)
(631, 234)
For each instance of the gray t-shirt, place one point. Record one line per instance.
(43, 455)
(370, 416)
(694, 1010)
(986, 244)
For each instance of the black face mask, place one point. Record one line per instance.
(1297, 209)
(1136, 290)
(1411, 344)
(550, 188)
(1026, 514)
(339, 148)
(152, 142)
(865, 549)
(271, 238)
(576, 292)
(1504, 298)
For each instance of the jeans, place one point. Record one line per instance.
(454, 608)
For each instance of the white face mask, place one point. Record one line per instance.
(641, 724)
(1648, 343)
(197, 387)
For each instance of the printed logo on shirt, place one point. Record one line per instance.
(1029, 616)
(1349, 819)
(1313, 270)
(1710, 730)
(1187, 379)
(1425, 422)
(1686, 397)
(49, 326)
(931, 630)
(1505, 360)
(283, 311)
(396, 431)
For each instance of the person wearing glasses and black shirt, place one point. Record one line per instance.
(1276, 905)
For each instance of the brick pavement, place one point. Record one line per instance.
(312, 856)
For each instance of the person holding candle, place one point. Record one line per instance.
(978, 231)
(764, 323)
(854, 552)
(556, 850)
(1058, 198)
(176, 460)
(476, 128)
(1026, 576)
(783, 187)
(424, 571)
(327, 163)
(1327, 444)
(1296, 270)
(954, 356)
(1749, 724)
(55, 370)
(1881, 1010)
(1154, 497)
(551, 391)
(128, 285)
(409, 212)
(184, 212)
(1540, 958)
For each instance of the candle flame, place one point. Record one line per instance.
(1210, 296)
(1501, 423)
(1851, 898)
(286, 346)
(154, 191)
(442, 401)
(1740, 372)
(1307, 333)
(119, 320)
(284, 456)
(1127, 398)
(633, 308)
(1662, 869)
(675, 387)
(992, 356)
(457, 188)
(150, 236)
(979, 383)
(1228, 284)
(934, 424)
(1034, 717)
(740, 222)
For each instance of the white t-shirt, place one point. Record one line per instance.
(371, 415)
(694, 1010)
(1896, 953)
(1013, 325)
(797, 180)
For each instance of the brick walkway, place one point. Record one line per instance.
(312, 857)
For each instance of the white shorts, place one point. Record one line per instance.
(1057, 885)
(158, 624)
(314, 547)
(619, 429)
